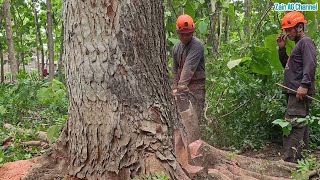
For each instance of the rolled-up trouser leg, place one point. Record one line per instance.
(188, 118)
(298, 138)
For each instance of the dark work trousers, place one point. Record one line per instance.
(298, 138)
(198, 100)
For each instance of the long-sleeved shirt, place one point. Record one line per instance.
(189, 65)
(300, 66)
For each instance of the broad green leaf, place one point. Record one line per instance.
(53, 133)
(286, 130)
(225, 3)
(289, 46)
(260, 61)
(2, 110)
(167, 14)
(311, 28)
(203, 27)
(202, 1)
(281, 122)
(190, 9)
(300, 120)
(174, 40)
(234, 63)
(232, 15)
(271, 44)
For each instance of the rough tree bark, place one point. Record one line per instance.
(12, 59)
(120, 119)
(50, 40)
(35, 2)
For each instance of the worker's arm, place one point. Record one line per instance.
(193, 58)
(309, 56)
(283, 56)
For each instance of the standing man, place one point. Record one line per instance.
(299, 75)
(189, 71)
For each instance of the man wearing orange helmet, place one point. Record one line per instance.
(299, 75)
(189, 65)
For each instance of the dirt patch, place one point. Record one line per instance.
(16, 170)
(271, 152)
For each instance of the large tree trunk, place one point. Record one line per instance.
(12, 59)
(39, 36)
(50, 40)
(121, 117)
(121, 121)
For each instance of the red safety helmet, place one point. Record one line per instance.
(291, 19)
(185, 24)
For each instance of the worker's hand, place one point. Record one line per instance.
(174, 92)
(301, 93)
(282, 40)
(182, 89)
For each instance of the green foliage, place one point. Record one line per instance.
(53, 133)
(31, 106)
(156, 176)
(285, 125)
(304, 167)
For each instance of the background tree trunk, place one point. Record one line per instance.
(39, 36)
(2, 64)
(1, 48)
(215, 17)
(35, 14)
(247, 20)
(61, 63)
(220, 20)
(121, 121)
(12, 59)
(50, 40)
(226, 29)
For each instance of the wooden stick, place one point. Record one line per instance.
(296, 92)
(8, 139)
(314, 172)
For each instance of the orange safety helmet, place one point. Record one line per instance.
(291, 19)
(185, 24)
